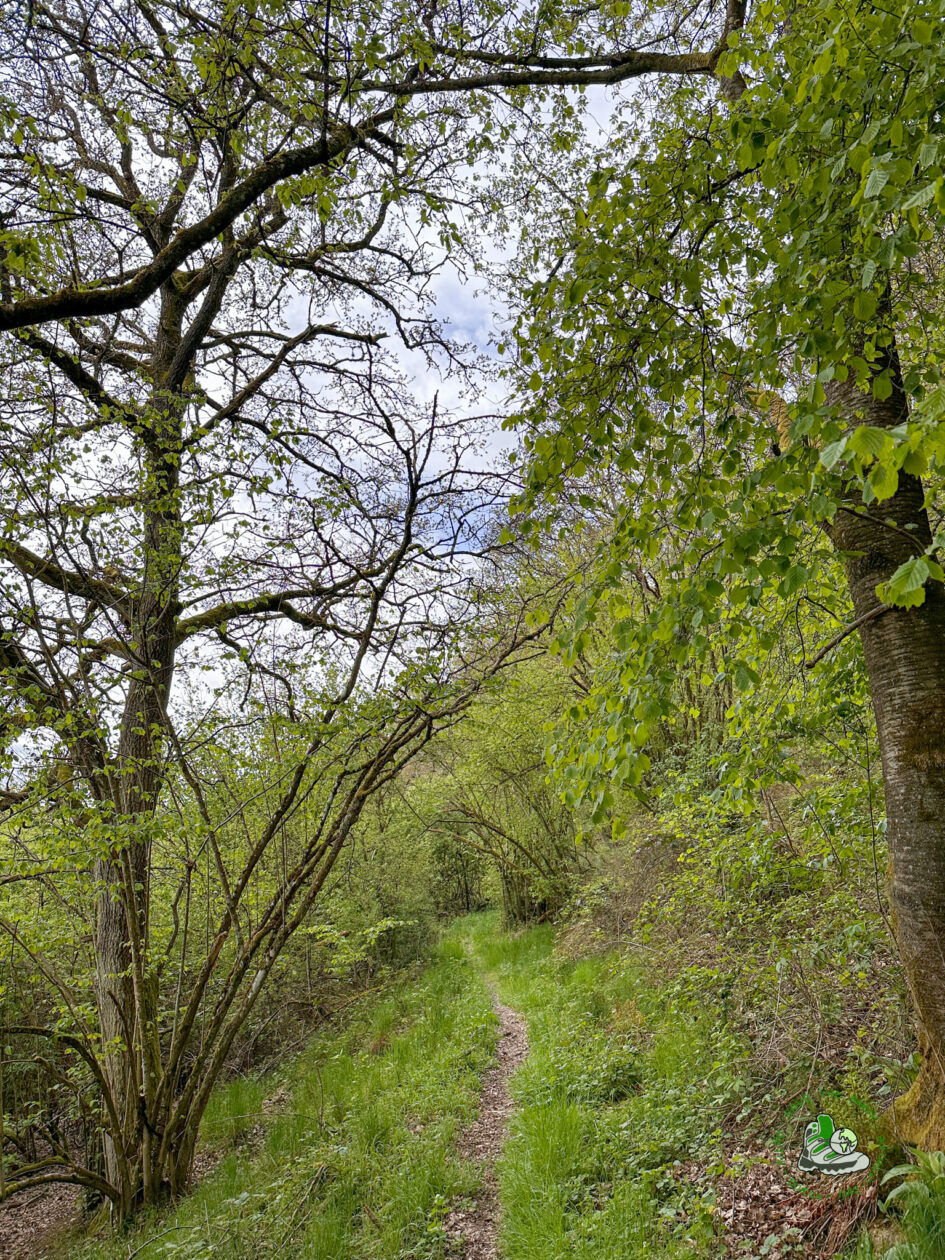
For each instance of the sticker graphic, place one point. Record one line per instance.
(830, 1150)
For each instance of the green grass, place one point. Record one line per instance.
(613, 1150)
(624, 1081)
(234, 1108)
(359, 1163)
(920, 1197)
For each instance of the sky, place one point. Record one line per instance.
(471, 311)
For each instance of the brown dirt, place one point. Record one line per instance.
(473, 1229)
(765, 1202)
(33, 1220)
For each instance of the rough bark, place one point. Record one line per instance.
(125, 982)
(904, 651)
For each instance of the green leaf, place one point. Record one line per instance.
(864, 304)
(928, 153)
(794, 579)
(884, 481)
(919, 199)
(882, 387)
(915, 464)
(876, 182)
(867, 441)
(906, 587)
(922, 31)
(830, 454)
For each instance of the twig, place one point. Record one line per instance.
(848, 630)
(149, 1241)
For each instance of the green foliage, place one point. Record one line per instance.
(623, 1081)
(488, 790)
(354, 1162)
(783, 917)
(725, 269)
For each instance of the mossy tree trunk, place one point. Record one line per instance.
(904, 651)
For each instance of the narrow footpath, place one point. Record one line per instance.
(473, 1230)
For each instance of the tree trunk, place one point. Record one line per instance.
(115, 1001)
(904, 649)
(125, 984)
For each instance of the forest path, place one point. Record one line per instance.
(473, 1231)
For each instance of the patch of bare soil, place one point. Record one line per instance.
(33, 1220)
(770, 1208)
(472, 1229)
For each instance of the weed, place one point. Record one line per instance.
(359, 1164)
(921, 1197)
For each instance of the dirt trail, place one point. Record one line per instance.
(473, 1231)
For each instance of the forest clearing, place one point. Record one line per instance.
(472, 629)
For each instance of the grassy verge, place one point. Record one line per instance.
(358, 1162)
(625, 1085)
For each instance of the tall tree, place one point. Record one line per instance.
(746, 320)
(232, 478)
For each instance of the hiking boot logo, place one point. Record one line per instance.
(830, 1150)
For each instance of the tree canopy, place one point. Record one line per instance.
(250, 568)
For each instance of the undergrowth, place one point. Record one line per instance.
(357, 1162)
(920, 1196)
(621, 1087)
(719, 981)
